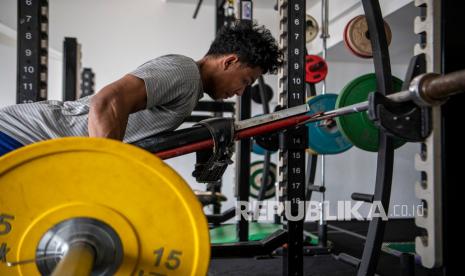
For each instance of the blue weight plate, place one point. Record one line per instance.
(257, 149)
(324, 136)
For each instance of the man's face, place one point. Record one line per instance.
(232, 78)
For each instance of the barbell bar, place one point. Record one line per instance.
(428, 89)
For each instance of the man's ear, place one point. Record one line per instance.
(229, 60)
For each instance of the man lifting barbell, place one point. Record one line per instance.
(154, 98)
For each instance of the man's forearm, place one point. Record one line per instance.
(107, 119)
(111, 106)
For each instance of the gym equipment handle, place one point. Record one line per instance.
(363, 197)
(349, 259)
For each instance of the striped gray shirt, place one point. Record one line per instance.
(173, 87)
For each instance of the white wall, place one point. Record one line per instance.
(117, 35)
(7, 70)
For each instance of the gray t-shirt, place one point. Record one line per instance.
(173, 87)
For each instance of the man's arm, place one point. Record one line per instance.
(111, 106)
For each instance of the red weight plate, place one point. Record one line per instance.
(316, 69)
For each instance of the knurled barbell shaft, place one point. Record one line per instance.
(78, 261)
(439, 87)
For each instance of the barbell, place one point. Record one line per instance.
(425, 90)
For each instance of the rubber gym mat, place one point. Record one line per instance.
(257, 231)
(323, 265)
(400, 247)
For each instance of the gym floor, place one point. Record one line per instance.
(397, 230)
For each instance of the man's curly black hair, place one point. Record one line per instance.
(254, 45)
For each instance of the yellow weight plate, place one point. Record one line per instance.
(155, 214)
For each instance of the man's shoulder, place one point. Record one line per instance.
(174, 65)
(177, 57)
(173, 59)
